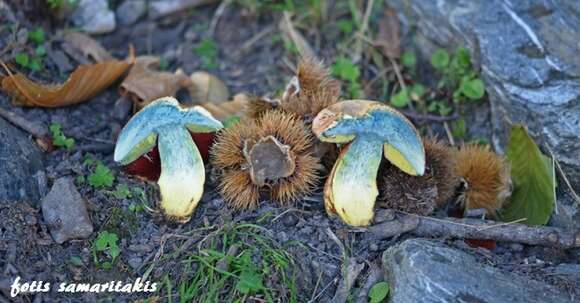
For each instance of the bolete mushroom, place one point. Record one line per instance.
(371, 129)
(165, 124)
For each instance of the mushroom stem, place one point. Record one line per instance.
(353, 188)
(182, 173)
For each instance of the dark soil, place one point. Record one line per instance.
(149, 245)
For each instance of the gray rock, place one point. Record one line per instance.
(426, 271)
(65, 212)
(571, 271)
(130, 11)
(528, 53)
(94, 17)
(135, 263)
(20, 160)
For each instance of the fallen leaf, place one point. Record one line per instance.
(87, 46)
(533, 175)
(84, 83)
(389, 37)
(207, 88)
(225, 110)
(145, 84)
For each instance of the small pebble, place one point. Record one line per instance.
(135, 262)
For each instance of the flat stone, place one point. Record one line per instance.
(131, 11)
(20, 160)
(94, 17)
(65, 212)
(421, 270)
(528, 54)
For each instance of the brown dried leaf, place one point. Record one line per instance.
(84, 83)
(207, 88)
(145, 84)
(224, 110)
(87, 46)
(389, 37)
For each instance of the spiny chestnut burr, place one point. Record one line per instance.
(420, 194)
(486, 176)
(268, 155)
(310, 91)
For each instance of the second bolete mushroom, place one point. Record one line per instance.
(165, 124)
(371, 129)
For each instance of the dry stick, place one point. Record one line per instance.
(375, 276)
(563, 175)
(253, 40)
(350, 273)
(356, 54)
(216, 17)
(287, 27)
(429, 117)
(448, 133)
(477, 229)
(35, 129)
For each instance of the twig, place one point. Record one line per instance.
(448, 133)
(375, 275)
(216, 17)
(563, 175)
(323, 290)
(287, 27)
(333, 236)
(356, 54)
(429, 117)
(316, 286)
(250, 42)
(477, 229)
(37, 130)
(350, 273)
(104, 148)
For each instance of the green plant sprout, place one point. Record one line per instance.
(207, 50)
(458, 75)
(344, 69)
(106, 243)
(34, 61)
(59, 139)
(215, 268)
(101, 177)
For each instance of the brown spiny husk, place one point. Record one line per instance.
(228, 155)
(315, 90)
(420, 194)
(440, 160)
(257, 106)
(487, 178)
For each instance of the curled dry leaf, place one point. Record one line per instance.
(389, 34)
(145, 84)
(207, 88)
(223, 111)
(84, 83)
(86, 45)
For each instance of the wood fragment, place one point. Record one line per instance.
(350, 273)
(477, 229)
(37, 130)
